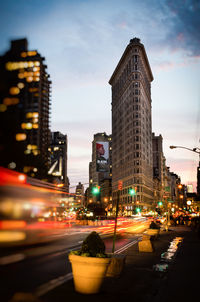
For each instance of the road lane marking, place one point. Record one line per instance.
(11, 259)
(46, 287)
(125, 247)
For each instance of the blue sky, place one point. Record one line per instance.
(83, 41)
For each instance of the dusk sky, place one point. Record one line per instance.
(83, 40)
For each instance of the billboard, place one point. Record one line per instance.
(102, 156)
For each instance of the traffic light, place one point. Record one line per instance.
(132, 191)
(160, 203)
(138, 210)
(95, 190)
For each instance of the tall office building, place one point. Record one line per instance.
(158, 169)
(24, 111)
(132, 127)
(80, 193)
(58, 159)
(100, 168)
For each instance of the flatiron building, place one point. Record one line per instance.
(132, 162)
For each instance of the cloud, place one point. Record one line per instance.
(184, 25)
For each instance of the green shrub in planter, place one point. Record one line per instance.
(92, 246)
(154, 225)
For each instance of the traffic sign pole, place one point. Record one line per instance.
(115, 228)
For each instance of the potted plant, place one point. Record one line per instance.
(154, 229)
(89, 264)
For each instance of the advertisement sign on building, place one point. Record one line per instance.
(102, 156)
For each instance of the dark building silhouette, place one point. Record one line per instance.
(198, 181)
(24, 111)
(58, 159)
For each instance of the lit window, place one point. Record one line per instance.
(37, 63)
(12, 165)
(27, 151)
(30, 64)
(32, 53)
(14, 90)
(11, 101)
(20, 75)
(20, 85)
(33, 89)
(20, 136)
(9, 66)
(23, 54)
(35, 114)
(29, 126)
(3, 107)
(27, 169)
(35, 126)
(20, 65)
(29, 115)
(35, 152)
(32, 147)
(29, 79)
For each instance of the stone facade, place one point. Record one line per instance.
(132, 127)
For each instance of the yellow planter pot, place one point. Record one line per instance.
(153, 232)
(116, 265)
(88, 273)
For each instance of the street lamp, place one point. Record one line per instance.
(196, 150)
(193, 150)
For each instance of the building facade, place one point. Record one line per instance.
(158, 174)
(24, 111)
(132, 161)
(80, 197)
(100, 168)
(58, 159)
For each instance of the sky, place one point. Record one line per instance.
(83, 41)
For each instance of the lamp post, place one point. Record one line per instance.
(195, 150)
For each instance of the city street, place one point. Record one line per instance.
(28, 269)
(99, 151)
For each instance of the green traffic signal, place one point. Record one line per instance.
(132, 192)
(160, 203)
(138, 210)
(95, 190)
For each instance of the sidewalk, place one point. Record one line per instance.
(139, 280)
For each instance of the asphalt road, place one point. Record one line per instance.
(35, 268)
